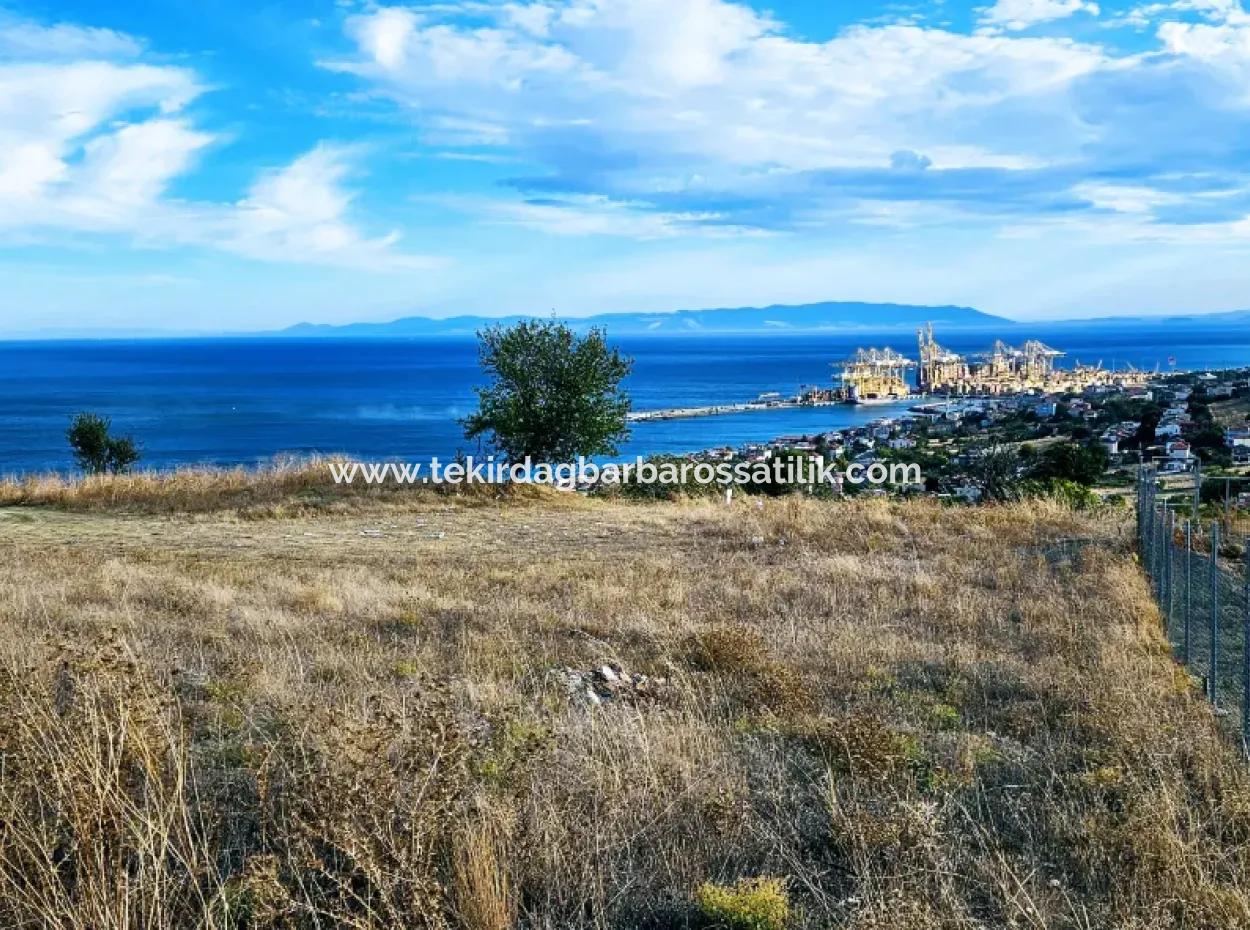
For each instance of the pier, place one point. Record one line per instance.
(684, 413)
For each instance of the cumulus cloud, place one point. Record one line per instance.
(49, 112)
(1226, 44)
(92, 139)
(711, 110)
(658, 119)
(628, 99)
(24, 39)
(299, 213)
(615, 83)
(1021, 14)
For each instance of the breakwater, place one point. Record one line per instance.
(711, 410)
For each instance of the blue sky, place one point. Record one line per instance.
(221, 164)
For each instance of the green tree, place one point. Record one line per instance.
(553, 395)
(95, 449)
(995, 469)
(1068, 461)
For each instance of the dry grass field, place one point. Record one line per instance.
(254, 702)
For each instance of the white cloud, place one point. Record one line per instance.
(384, 35)
(596, 215)
(299, 213)
(1220, 44)
(1125, 198)
(1226, 43)
(1215, 11)
(91, 142)
(661, 88)
(24, 39)
(57, 121)
(1021, 14)
(653, 118)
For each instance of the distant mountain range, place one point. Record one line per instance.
(1227, 318)
(827, 317)
(776, 318)
(779, 318)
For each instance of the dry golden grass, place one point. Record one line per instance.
(283, 488)
(255, 706)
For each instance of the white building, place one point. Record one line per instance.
(1178, 449)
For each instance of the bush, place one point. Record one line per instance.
(635, 489)
(1069, 493)
(95, 449)
(752, 674)
(750, 904)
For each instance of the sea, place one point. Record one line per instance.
(247, 401)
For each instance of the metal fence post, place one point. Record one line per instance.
(1245, 654)
(1189, 591)
(1163, 554)
(1213, 680)
(1160, 551)
(1155, 553)
(1169, 550)
(1197, 488)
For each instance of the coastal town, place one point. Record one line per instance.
(961, 411)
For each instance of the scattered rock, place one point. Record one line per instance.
(608, 683)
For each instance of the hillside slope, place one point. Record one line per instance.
(385, 713)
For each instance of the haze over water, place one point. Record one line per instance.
(243, 401)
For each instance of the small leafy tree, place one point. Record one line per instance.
(95, 449)
(553, 395)
(1070, 461)
(995, 469)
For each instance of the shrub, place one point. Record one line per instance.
(1069, 493)
(665, 466)
(753, 675)
(750, 904)
(96, 450)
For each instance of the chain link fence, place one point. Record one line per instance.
(1228, 497)
(1200, 575)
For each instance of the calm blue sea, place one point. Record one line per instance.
(238, 401)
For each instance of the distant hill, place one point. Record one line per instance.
(1205, 320)
(776, 318)
(830, 316)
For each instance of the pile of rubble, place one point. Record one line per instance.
(606, 684)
